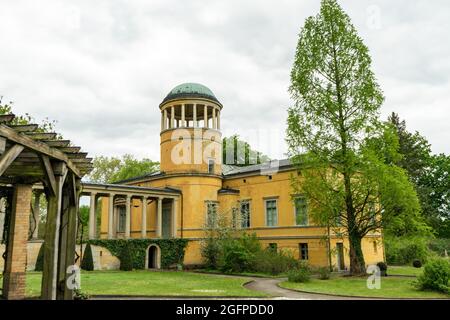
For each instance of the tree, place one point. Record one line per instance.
(434, 190)
(88, 260)
(113, 169)
(333, 129)
(239, 153)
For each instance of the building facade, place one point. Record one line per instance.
(193, 186)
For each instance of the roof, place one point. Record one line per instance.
(109, 186)
(190, 90)
(267, 168)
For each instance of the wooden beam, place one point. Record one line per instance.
(69, 149)
(39, 146)
(79, 155)
(24, 127)
(84, 160)
(9, 156)
(2, 145)
(41, 135)
(6, 118)
(57, 143)
(50, 176)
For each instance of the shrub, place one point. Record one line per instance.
(40, 259)
(88, 262)
(383, 268)
(300, 274)
(324, 273)
(417, 263)
(235, 257)
(435, 276)
(126, 260)
(402, 251)
(440, 246)
(211, 252)
(274, 263)
(80, 295)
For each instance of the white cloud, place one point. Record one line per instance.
(102, 68)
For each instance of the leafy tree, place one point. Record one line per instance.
(113, 169)
(434, 190)
(414, 149)
(239, 153)
(334, 131)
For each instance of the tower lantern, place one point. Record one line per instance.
(191, 141)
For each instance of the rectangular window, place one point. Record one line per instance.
(235, 218)
(210, 166)
(122, 218)
(211, 214)
(273, 247)
(245, 214)
(303, 248)
(301, 212)
(271, 213)
(375, 247)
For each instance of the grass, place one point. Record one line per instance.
(153, 283)
(404, 271)
(391, 287)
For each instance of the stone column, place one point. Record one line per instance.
(159, 219)
(144, 218)
(162, 120)
(194, 116)
(174, 217)
(164, 127)
(16, 262)
(214, 118)
(172, 116)
(111, 216)
(92, 217)
(183, 120)
(205, 115)
(36, 213)
(128, 217)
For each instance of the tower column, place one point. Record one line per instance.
(214, 118)
(183, 121)
(172, 116)
(159, 219)
(205, 113)
(194, 115)
(144, 218)
(218, 119)
(110, 216)
(92, 218)
(164, 126)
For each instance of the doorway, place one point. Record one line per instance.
(153, 257)
(340, 256)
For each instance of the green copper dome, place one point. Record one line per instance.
(190, 90)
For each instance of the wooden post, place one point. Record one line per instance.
(51, 243)
(36, 213)
(16, 260)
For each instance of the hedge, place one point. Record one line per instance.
(172, 250)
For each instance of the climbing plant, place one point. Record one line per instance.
(172, 250)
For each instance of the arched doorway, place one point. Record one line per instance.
(153, 257)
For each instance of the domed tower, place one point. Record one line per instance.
(191, 141)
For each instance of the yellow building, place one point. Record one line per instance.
(193, 185)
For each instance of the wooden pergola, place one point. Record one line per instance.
(29, 156)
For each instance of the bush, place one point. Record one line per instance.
(435, 276)
(383, 268)
(417, 263)
(40, 259)
(274, 263)
(402, 251)
(235, 257)
(88, 262)
(440, 246)
(126, 260)
(301, 274)
(324, 273)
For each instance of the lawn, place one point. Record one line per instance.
(404, 271)
(153, 283)
(391, 287)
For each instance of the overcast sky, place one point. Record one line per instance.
(101, 68)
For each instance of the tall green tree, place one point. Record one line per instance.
(113, 169)
(238, 152)
(334, 132)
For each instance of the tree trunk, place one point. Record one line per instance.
(357, 263)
